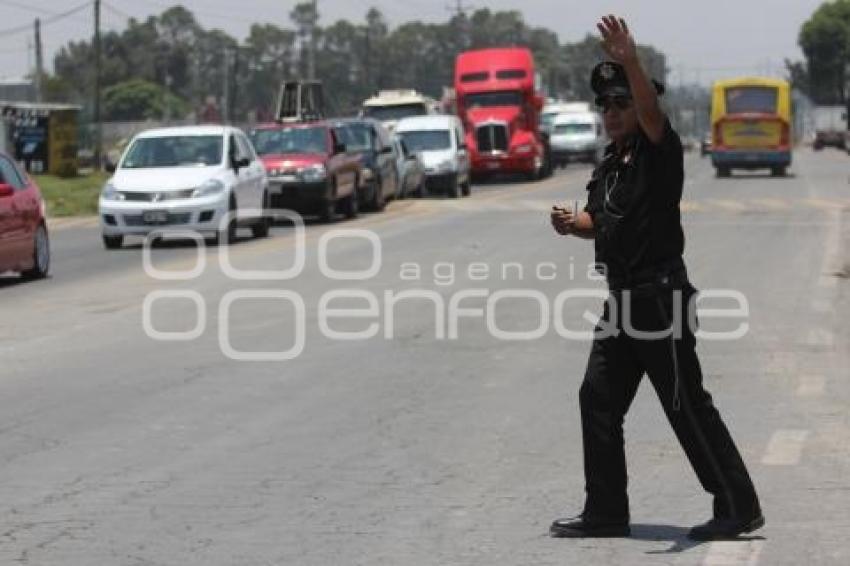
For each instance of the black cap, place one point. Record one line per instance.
(609, 79)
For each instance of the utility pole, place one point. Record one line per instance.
(98, 126)
(39, 63)
(311, 54)
(459, 11)
(225, 104)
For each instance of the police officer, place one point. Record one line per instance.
(633, 216)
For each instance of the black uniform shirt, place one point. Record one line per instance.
(633, 198)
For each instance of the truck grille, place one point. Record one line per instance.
(492, 138)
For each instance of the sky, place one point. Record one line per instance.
(703, 39)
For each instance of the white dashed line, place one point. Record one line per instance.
(811, 386)
(785, 448)
(733, 553)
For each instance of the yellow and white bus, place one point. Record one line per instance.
(751, 125)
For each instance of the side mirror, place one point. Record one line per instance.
(241, 163)
(6, 190)
(109, 167)
(339, 148)
(463, 147)
(387, 149)
(411, 157)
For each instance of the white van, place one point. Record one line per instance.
(577, 136)
(439, 141)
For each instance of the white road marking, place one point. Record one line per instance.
(811, 385)
(733, 553)
(785, 448)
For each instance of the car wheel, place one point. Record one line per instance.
(261, 228)
(724, 171)
(378, 201)
(777, 171)
(351, 204)
(454, 185)
(112, 242)
(420, 191)
(41, 255)
(466, 188)
(227, 236)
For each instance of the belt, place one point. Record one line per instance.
(667, 272)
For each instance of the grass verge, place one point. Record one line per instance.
(75, 196)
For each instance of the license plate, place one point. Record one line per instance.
(155, 216)
(494, 165)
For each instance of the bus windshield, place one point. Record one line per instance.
(760, 99)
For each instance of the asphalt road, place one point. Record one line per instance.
(410, 447)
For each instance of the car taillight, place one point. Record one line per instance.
(785, 138)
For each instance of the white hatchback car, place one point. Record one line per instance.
(185, 179)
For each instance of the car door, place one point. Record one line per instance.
(386, 160)
(255, 176)
(7, 253)
(342, 166)
(19, 213)
(241, 180)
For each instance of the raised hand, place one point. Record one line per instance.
(616, 39)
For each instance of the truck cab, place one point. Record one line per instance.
(499, 106)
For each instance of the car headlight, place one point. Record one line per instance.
(209, 188)
(525, 148)
(313, 173)
(109, 192)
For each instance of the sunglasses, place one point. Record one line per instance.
(618, 102)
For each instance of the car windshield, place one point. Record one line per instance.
(751, 99)
(356, 137)
(489, 99)
(290, 140)
(433, 140)
(174, 151)
(575, 128)
(395, 112)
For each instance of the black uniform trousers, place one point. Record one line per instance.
(614, 370)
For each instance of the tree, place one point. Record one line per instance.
(138, 99)
(825, 41)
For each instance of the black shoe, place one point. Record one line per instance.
(718, 529)
(579, 527)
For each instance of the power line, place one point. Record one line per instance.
(47, 21)
(22, 6)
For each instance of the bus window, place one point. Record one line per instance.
(759, 99)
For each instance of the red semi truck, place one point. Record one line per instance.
(500, 109)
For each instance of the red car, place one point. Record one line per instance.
(24, 244)
(309, 168)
